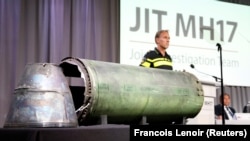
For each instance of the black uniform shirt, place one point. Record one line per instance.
(154, 59)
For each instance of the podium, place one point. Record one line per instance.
(206, 114)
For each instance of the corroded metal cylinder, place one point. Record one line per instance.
(125, 93)
(42, 99)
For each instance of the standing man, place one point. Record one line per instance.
(159, 58)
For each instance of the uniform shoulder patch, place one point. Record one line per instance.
(150, 51)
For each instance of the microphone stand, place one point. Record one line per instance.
(222, 88)
(215, 77)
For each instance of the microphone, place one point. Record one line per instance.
(219, 46)
(192, 66)
(215, 77)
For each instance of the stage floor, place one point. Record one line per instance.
(81, 133)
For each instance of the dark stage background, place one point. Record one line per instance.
(34, 31)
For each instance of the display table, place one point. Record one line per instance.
(233, 122)
(82, 133)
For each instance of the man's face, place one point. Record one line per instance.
(227, 100)
(163, 40)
